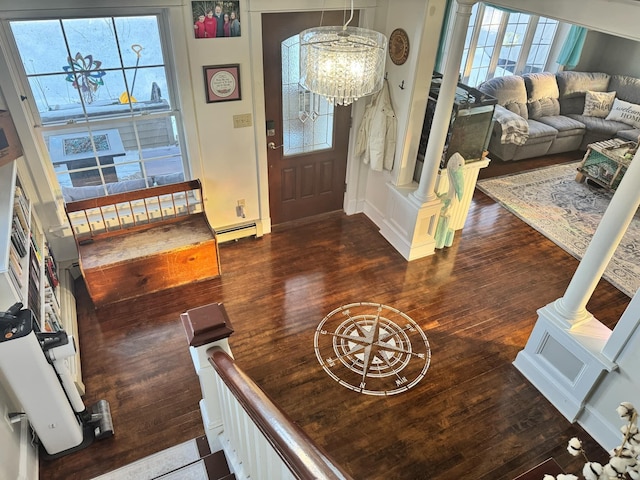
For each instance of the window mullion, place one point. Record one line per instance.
(504, 21)
(526, 44)
(473, 44)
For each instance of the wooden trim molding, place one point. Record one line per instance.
(305, 459)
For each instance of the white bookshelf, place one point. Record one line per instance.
(28, 271)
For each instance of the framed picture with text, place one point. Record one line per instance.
(222, 83)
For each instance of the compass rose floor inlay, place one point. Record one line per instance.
(372, 348)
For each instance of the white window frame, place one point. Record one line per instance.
(527, 43)
(96, 123)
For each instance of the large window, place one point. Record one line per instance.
(500, 43)
(103, 102)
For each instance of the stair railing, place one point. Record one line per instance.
(259, 440)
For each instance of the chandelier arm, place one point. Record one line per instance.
(350, 18)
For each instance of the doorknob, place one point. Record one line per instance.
(273, 146)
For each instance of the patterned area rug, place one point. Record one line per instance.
(568, 213)
(180, 462)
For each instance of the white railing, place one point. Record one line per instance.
(259, 440)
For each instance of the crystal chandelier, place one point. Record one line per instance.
(342, 63)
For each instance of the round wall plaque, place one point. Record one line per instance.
(223, 84)
(398, 46)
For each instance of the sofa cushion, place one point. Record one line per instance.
(627, 88)
(598, 104)
(631, 135)
(510, 93)
(168, 178)
(572, 105)
(71, 194)
(542, 94)
(565, 126)
(541, 85)
(600, 125)
(576, 84)
(126, 186)
(543, 107)
(540, 132)
(625, 112)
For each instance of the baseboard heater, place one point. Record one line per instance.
(238, 231)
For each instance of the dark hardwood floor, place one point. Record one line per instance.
(473, 416)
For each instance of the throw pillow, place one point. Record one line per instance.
(625, 112)
(598, 104)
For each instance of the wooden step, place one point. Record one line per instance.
(217, 466)
(215, 463)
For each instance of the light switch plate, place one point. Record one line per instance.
(242, 120)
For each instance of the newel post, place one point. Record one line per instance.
(208, 326)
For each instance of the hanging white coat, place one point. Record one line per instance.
(376, 141)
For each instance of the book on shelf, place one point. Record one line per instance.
(51, 320)
(50, 266)
(36, 247)
(33, 299)
(17, 226)
(51, 298)
(21, 207)
(17, 283)
(14, 260)
(18, 238)
(18, 245)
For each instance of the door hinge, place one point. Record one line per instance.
(345, 187)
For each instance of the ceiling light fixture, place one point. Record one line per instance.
(342, 63)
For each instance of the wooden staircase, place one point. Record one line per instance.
(215, 463)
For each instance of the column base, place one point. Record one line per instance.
(408, 226)
(565, 363)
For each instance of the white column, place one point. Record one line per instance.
(444, 106)
(612, 227)
(568, 353)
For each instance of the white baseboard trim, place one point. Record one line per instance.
(375, 215)
(603, 432)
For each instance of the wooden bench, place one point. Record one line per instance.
(143, 241)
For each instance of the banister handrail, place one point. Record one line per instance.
(304, 458)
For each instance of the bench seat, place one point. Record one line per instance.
(128, 260)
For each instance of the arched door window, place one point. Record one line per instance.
(307, 118)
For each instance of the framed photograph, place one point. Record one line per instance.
(216, 19)
(222, 83)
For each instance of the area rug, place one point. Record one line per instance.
(180, 462)
(567, 212)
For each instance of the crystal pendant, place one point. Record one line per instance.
(342, 63)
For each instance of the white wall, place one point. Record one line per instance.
(225, 157)
(610, 54)
(421, 20)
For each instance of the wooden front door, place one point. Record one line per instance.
(308, 135)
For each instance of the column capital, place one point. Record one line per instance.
(468, 3)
